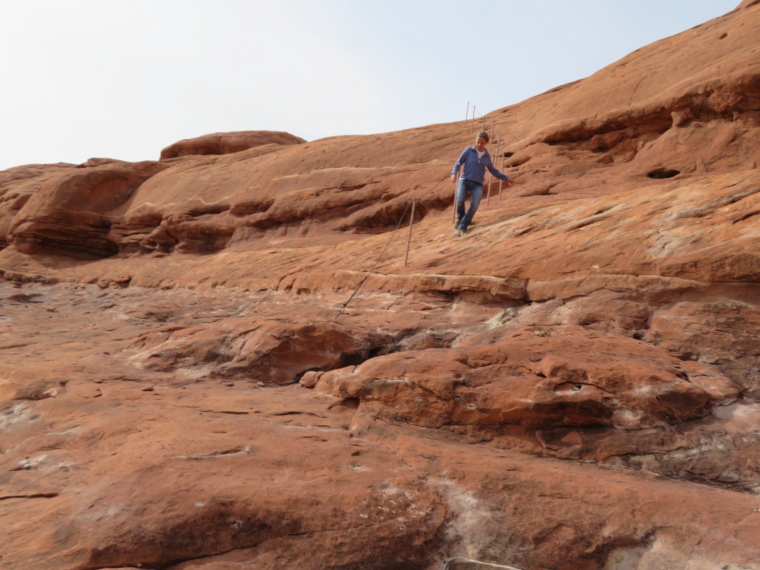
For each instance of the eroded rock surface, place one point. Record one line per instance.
(434, 452)
(227, 359)
(225, 143)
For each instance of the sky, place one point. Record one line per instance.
(125, 78)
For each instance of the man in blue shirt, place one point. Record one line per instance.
(475, 160)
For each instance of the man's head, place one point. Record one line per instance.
(482, 140)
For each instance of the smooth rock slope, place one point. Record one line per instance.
(225, 358)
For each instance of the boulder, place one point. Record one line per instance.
(225, 143)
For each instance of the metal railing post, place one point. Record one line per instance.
(409, 239)
(456, 185)
(498, 150)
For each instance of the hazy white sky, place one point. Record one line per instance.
(125, 78)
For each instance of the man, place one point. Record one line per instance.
(475, 160)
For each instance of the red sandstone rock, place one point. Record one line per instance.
(70, 211)
(269, 352)
(748, 3)
(16, 187)
(225, 143)
(200, 393)
(532, 380)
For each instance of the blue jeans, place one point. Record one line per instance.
(475, 190)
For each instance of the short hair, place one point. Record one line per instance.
(484, 135)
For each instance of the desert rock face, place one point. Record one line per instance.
(68, 212)
(226, 359)
(225, 143)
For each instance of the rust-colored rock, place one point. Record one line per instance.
(225, 143)
(118, 465)
(69, 211)
(16, 187)
(226, 359)
(547, 380)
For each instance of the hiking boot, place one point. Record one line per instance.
(456, 224)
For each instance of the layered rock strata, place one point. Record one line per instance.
(228, 358)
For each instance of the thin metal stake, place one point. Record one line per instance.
(498, 150)
(456, 185)
(409, 239)
(489, 178)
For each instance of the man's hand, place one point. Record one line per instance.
(454, 178)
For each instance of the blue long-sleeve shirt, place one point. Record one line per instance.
(474, 167)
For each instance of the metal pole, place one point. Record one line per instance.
(489, 177)
(467, 113)
(409, 239)
(456, 185)
(498, 150)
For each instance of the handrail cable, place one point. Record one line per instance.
(398, 225)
